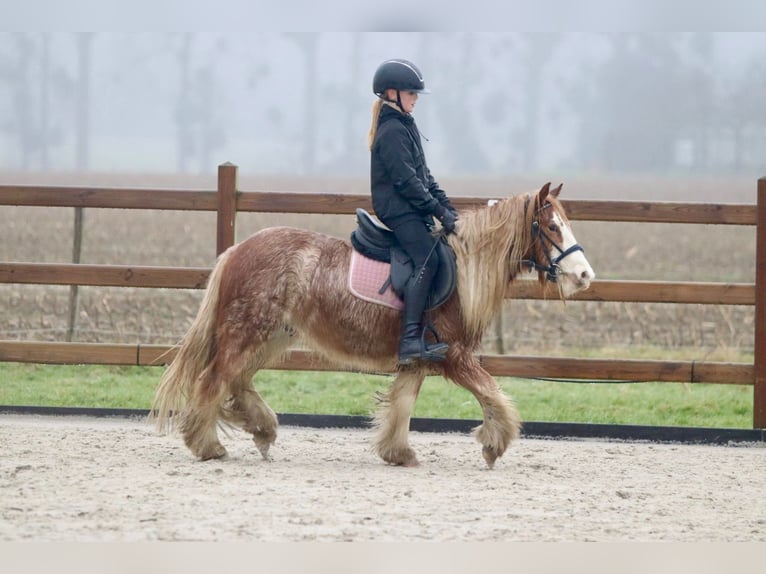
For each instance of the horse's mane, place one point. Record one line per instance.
(488, 240)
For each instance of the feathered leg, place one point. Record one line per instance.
(392, 420)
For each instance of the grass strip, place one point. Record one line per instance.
(660, 404)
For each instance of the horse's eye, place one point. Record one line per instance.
(553, 227)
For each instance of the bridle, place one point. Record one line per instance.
(552, 269)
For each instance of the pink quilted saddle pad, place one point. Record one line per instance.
(365, 278)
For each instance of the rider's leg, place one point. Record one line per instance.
(418, 242)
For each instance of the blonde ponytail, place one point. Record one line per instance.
(377, 104)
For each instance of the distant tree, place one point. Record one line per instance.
(353, 140)
(199, 127)
(500, 104)
(539, 50)
(82, 114)
(184, 112)
(345, 93)
(455, 108)
(745, 109)
(637, 105)
(702, 105)
(38, 87)
(15, 76)
(308, 44)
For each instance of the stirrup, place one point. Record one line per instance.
(435, 352)
(436, 355)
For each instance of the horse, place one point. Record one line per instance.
(282, 283)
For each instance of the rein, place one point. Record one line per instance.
(552, 269)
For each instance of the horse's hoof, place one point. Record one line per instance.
(263, 448)
(411, 463)
(490, 456)
(217, 451)
(405, 458)
(263, 445)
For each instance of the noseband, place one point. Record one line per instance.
(552, 269)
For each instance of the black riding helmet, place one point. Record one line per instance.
(400, 75)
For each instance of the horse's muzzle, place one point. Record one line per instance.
(575, 281)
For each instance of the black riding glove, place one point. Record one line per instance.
(447, 217)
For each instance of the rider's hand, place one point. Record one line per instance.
(447, 217)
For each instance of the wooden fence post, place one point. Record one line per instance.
(759, 386)
(74, 290)
(500, 332)
(227, 206)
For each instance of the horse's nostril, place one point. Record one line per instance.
(586, 277)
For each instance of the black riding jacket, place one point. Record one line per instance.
(402, 185)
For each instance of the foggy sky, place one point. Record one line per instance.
(502, 103)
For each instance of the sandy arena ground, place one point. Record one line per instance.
(86, 479)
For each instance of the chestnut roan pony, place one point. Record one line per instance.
(282, 283)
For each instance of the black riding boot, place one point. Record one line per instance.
(412, 345)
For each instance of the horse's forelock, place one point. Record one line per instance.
(558, 208)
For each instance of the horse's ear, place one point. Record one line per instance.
(542, 195)
(556, 190)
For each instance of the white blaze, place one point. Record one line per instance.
(576, 272)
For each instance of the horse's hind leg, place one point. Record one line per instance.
(200, 417)
(392, 421)
(246, 408)
(502, 423)
(214, 386)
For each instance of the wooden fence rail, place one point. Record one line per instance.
(346, 204)
(227, 200)
(196, 278)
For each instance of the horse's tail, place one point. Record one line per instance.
(196, 352)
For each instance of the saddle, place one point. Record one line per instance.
(375, 241)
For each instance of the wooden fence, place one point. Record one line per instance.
(227, 201)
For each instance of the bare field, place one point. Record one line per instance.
(616, 251)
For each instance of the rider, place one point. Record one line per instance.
(405, 195)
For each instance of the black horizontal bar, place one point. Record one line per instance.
(692, 435)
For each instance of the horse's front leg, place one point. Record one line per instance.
(392, 420)
(248, 410)
(502, 423)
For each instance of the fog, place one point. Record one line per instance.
(299, 103)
